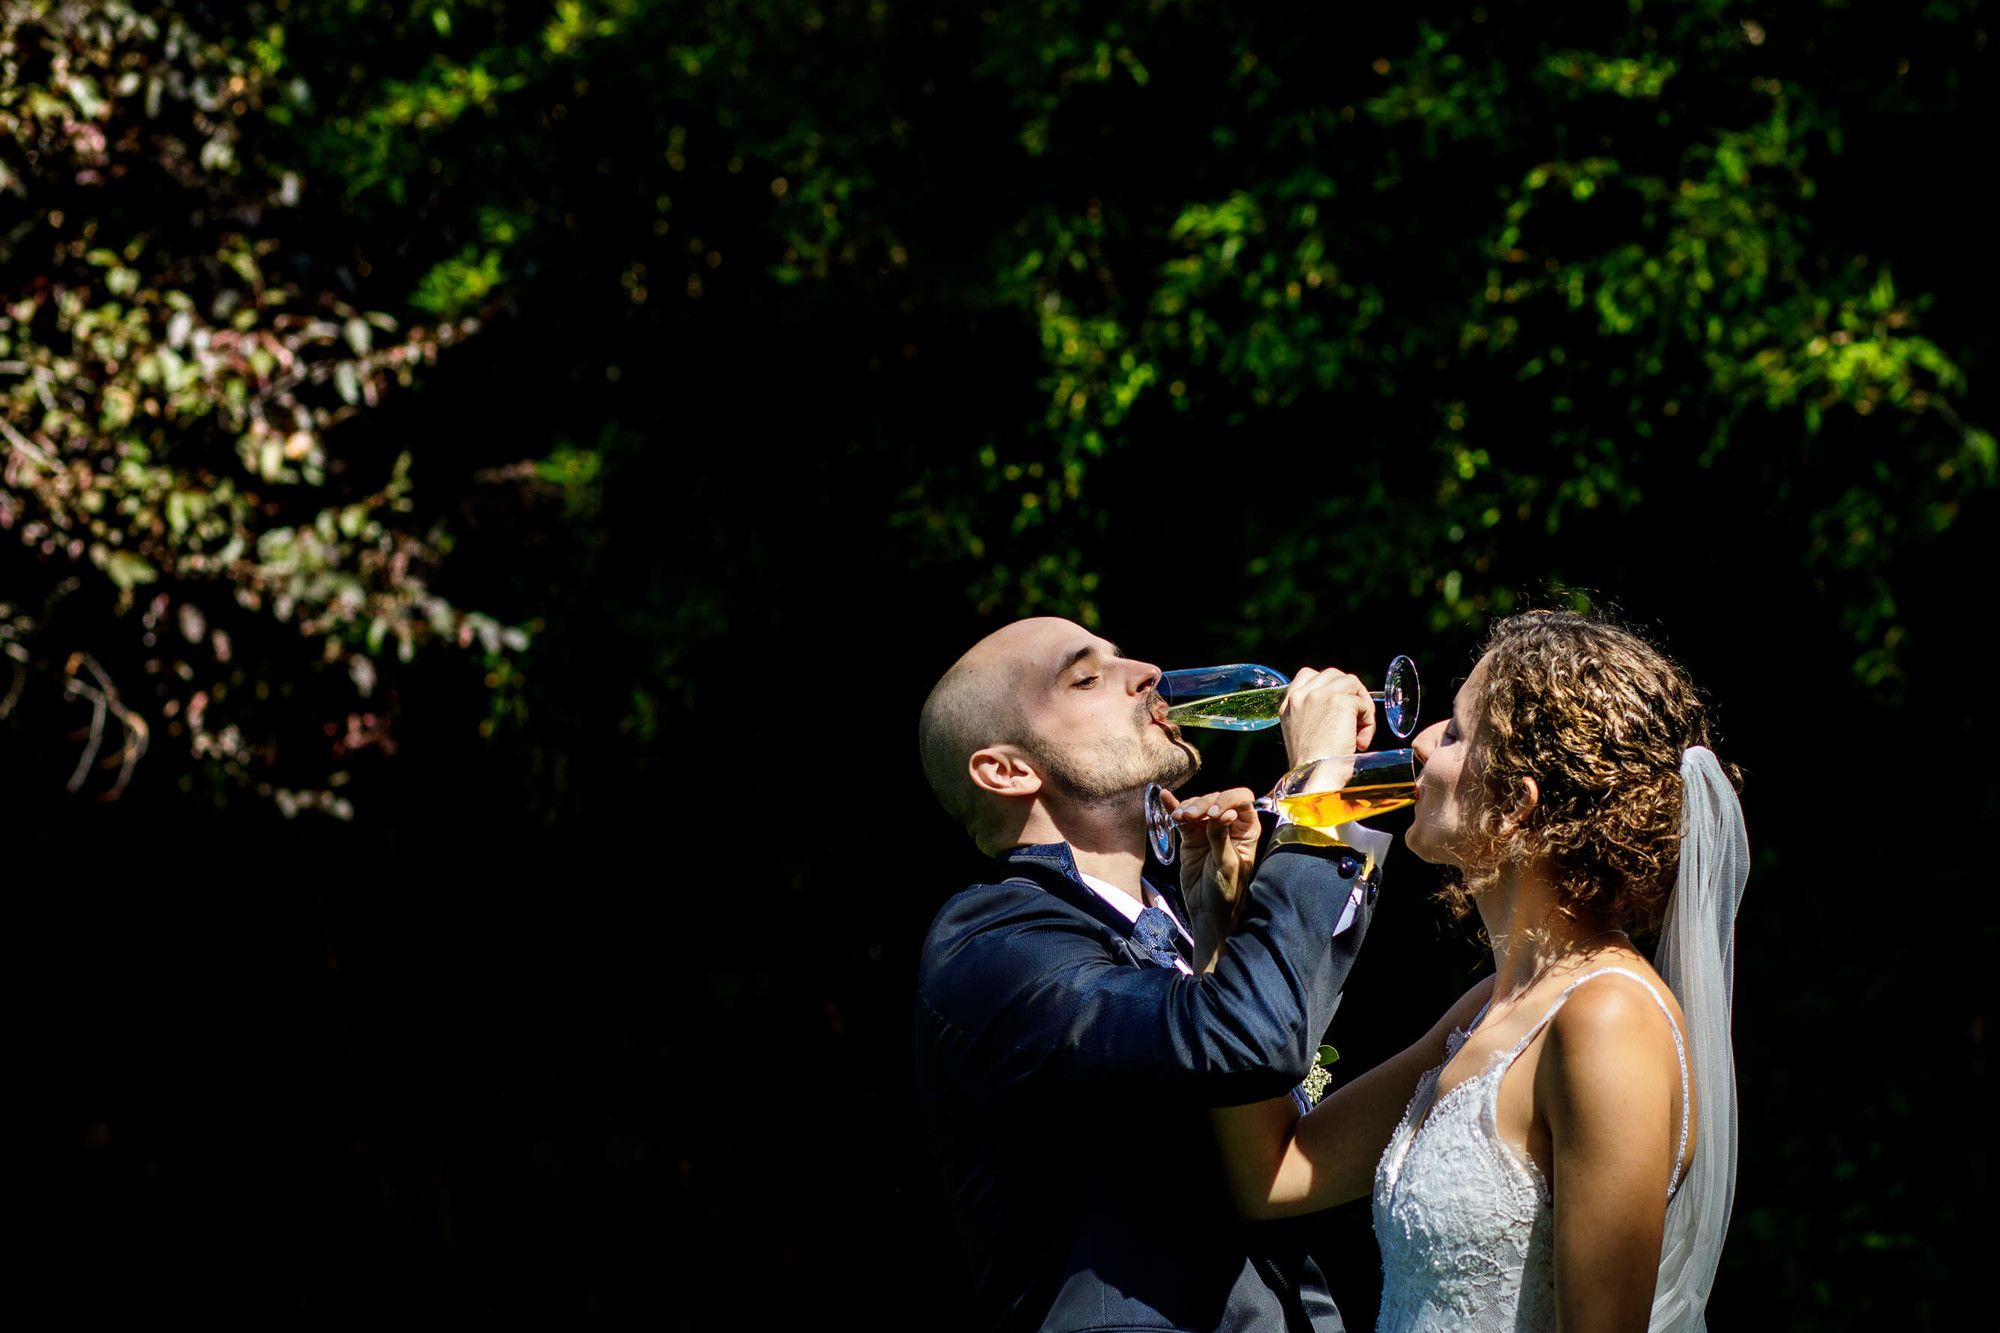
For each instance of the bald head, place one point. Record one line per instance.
(1042, 721)
(976, 704)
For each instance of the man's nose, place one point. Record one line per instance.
(1145, 676)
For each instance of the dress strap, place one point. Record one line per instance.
(1680, 1050)
(1457, 1037)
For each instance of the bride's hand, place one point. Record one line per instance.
(1219, 833)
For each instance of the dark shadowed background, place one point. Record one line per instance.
(489, 483)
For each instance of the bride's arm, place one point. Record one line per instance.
(1279, 1164)
(1607, 1086)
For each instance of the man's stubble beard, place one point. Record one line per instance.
(1089, 783)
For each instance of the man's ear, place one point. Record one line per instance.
(1004, 770)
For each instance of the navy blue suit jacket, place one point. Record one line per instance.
(1064, 1076)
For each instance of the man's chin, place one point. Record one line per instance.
(1187, 764)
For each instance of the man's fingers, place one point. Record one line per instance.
(1310, 682)
(1330, 713)
(1310, 688)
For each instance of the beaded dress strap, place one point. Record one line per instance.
(1465, 1032)
(1680, 1051)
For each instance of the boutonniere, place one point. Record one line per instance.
(1317, 1078)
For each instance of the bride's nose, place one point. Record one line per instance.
(1425, 742)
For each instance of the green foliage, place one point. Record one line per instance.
(1517, 277)
(1582, 327)
(170, 394)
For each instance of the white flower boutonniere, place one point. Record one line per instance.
(1317, 1078)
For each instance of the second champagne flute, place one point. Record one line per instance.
(1321, 793)
(1316, 795)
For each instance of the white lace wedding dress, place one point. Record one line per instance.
(1464, 1221)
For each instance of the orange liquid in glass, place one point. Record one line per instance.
(1324, 809)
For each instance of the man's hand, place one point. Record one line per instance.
(1326, 713)
(1219, 835)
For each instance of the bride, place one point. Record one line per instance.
(1568, 1158)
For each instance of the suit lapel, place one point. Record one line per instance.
(1052, 869)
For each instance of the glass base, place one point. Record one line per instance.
(1160, 830)
(1400, 696)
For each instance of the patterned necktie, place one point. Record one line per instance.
(1159, 937)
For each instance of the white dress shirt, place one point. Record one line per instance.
(1371, 843)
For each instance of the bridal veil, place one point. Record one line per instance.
(1696, 957)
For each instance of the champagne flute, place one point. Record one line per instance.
(1317, 795)
(1321, 793)
(1247, 697)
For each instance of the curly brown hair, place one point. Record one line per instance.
(1598, 717)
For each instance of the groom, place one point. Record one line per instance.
(1076, 1016)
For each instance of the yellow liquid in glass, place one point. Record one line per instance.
(1246, 710)
(1324, 809)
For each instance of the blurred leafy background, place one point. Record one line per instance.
(488, 484)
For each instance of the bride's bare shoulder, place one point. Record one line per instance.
(1611, 1031)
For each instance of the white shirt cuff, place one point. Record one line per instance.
(1372, 843)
